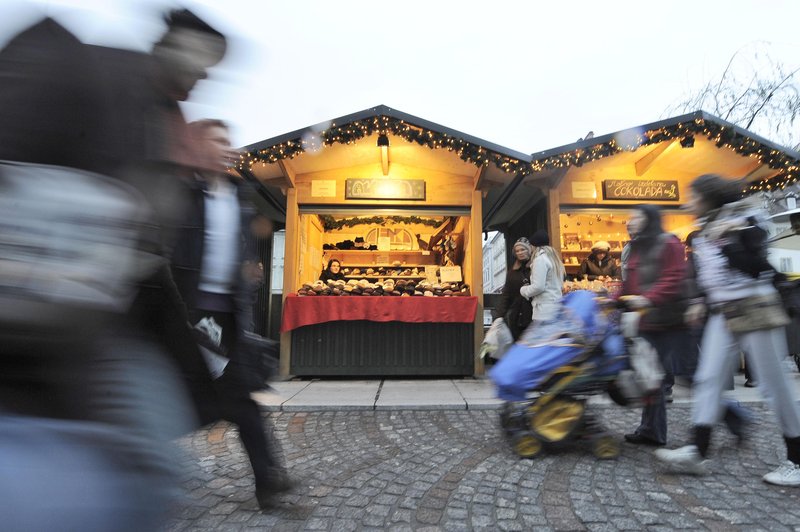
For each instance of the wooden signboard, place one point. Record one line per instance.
(640, 189)
(397, 189)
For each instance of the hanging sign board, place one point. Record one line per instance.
(396, 189)
(323, 188)
(450, 274)
(584, 190)
(640, 189)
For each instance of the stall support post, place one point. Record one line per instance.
(290, 271)
(553, 223)
(476, 257)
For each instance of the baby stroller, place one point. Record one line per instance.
(548, 375)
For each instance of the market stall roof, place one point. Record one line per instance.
(350, 141)
(690, 144)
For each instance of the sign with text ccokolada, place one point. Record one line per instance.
(640, 189)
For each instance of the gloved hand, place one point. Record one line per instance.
(694, 314)
(636, 302)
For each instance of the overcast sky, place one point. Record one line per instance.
(525, 75)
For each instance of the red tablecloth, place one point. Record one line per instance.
(299, 311)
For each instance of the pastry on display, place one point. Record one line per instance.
(396, 287)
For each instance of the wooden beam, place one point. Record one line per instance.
(290, 270)
(476, 263)
(478, 178)
(557, 176)
(644, 164)
(288, 172)
(753, 170)
(553, 221)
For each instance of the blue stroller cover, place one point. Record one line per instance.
(580, 324)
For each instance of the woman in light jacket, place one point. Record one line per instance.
(547, 278)
(730, 257)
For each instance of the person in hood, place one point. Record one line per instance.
(600, 263)
(513, 307)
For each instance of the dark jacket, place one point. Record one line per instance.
(513, 308)
(187, 256)
(657, 271)
(593, 267)
(328, 275)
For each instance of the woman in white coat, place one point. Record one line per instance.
(547, 278)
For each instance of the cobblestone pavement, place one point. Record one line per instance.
(453, 470)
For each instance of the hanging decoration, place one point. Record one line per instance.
(381, 125)
(329, 222)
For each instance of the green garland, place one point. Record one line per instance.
(357, 130)
(329, 222)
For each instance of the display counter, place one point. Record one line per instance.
(380, 336)
(299, 311)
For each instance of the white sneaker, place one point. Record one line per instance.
(788, 474)
(685, 459)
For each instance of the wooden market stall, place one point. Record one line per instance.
(397, 200)
(583, 192)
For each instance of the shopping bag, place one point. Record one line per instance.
(258, 358)
(73, 246)
(648, 373)
(497, 340)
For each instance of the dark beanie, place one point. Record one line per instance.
(540, 238)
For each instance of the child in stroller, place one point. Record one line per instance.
(547, 376)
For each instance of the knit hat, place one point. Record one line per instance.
(525, 243)
(540, 238)
(601, 245)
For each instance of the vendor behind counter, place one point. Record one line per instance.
(599, 263)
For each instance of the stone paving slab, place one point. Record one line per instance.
(334, 395)
(419, 395)
(478, 393)
(278, 393)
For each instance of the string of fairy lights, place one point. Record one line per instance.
(787, 167)
(380, 125)
(720, 135)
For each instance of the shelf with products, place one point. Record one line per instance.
(378, 277)
(382, 259)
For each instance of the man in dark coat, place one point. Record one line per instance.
(216, 271)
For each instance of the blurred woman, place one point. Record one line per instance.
(513, 308)
(333, 272)
(745, 313)
(653, 282)
(547, 279)
(600, 263)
